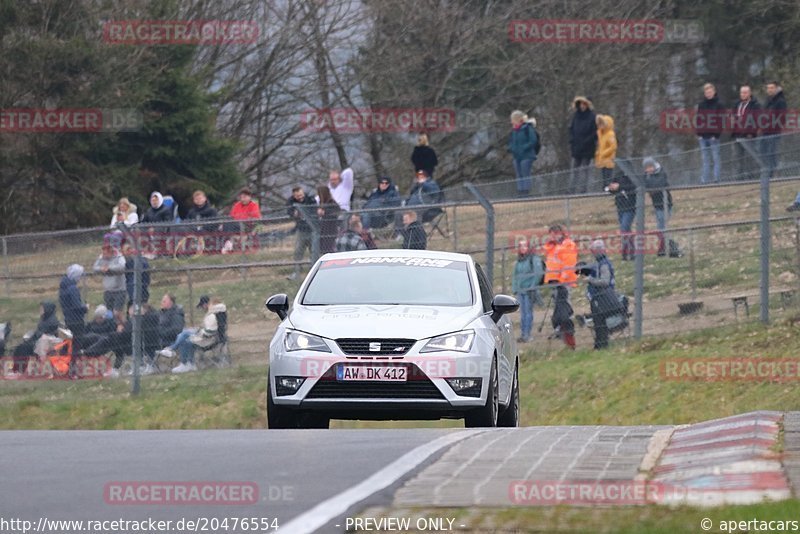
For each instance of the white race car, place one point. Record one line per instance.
(393, 334)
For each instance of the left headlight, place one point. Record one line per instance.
(295, 340)
(457, 341)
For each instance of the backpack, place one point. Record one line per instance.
(540, 281)
(538, 145)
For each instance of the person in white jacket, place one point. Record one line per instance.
(124, 212)
(341, 186)
(190, 338)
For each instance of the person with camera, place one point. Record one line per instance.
(561, 257)
(624, 191)
(600, 291)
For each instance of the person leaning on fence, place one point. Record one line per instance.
(561, 256)
(48, 325)
(523, 142)
(425, 191)
(600, 291)
(302, 228)
(606, 147)
(423, 156)
(624, 191)
(124, 212)
(710, 118)
(528, 277)
(413, 233)
(190, 338)
(111, 264)
(383, 196)
(657, 186)
(202, 210)
(582, 143)
(775, 108)
(351, 238)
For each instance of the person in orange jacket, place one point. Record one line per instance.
(606, 147)
(561, 256)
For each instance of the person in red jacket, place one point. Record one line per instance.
(246, 207)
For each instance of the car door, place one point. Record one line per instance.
(503, 334)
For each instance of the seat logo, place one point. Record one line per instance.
(374, 346)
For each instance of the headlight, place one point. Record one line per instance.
(301, 341)
(457, 341)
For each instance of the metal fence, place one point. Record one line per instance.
(739, 249)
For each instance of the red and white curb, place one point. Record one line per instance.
(724, 461)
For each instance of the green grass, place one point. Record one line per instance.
(621, 386)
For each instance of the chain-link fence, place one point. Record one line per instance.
(698, 264)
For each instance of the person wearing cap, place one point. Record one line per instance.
(600, 292)
(190, 338)
(383, 196)
(245, 208)
(425, 191)
(561, 256)
(102, 323)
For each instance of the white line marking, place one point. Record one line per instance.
(477, 489)
(324, 512)
(545, 453)
(438, 489)
(578, 456)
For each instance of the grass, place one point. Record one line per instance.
(621, 386)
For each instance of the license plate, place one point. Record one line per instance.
(374, 373)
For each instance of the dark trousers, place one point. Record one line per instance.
(600, 326)
(562, 311)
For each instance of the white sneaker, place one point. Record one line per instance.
(181, 368)
(191, 367)
(166, 352)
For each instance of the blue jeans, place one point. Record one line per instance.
(526, 313)
(769, 153)
(522, 168)
(709, 148)
(625, 225)
(183, 346)
(661, 223)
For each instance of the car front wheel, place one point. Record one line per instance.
(486, 415)
(510, 416)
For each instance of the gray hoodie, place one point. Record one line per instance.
(114, 278)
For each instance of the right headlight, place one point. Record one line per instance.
(295, 340)
(457, 341)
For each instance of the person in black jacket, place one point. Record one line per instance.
(302, 228)
(413, 232)
(657, 186)
(102, 323)
(171, 320)
(745, 126)
(72, 306)
(710, 119)
(624, 191)
(130, 276)
(776, 112)
(384, 196)
(582, 143)
(203, 211)
(48, 325)
(158, 212)
(423, 156)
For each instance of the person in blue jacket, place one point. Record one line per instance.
(525, 283)
(72, 306)
(523, 144)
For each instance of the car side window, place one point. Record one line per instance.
(485, 288)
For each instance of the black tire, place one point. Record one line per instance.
(510, 415)
(486, 415)
(278, 416)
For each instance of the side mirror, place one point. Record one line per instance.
(278, 304)
(503, 304)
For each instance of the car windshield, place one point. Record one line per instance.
(391, 280)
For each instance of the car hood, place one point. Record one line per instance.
(380, 321)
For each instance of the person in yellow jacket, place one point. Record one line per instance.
(561, 256)
(606, 147)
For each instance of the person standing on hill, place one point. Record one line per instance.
(606, 147)
(776, 115)
(522, 144)
(745, 127)
(423, 156)
(710, 113)
(582, 143)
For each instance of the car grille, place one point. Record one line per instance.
(417, 387)
(388, 347)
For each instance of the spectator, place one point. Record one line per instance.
(561, 256)
(124, 212)
(328, 213)
(118, 341)
(102, 323)
(624, 192)
(48, 325)
(351, 239)
(172, 206)
(522, 143)
(245, 208)
(202, 210)
(365, 234)
(189, 338)
(776, 115)
(582, 143)
(657, 186)
(158, 212)
(603, 299)
(423, 156)
(710, 113)
(111, 264)
(340, 186)
(794, 206)
(528, 276)
(606, 147)
(425, 192)
(413, 233)
(171, 320)
(130, 265)
(384, 196)
(745, 127)
(151, 338)
(302, 229)
(72, 306)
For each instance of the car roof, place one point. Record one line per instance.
(399, 253)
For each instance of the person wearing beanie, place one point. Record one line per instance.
(102, 323)
(600, 292)
(69, 298)
(383, 196)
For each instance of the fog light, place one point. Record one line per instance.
(467, 387)
(288, 385)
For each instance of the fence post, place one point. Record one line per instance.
(137, 340)
(487, 206)
(797, 248)
(567, 214)
(691, 265)
(191, 296)
(766, 234)
(6, 268)
(455, 228)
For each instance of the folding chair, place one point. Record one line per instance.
(216, 354)
(435, 225)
